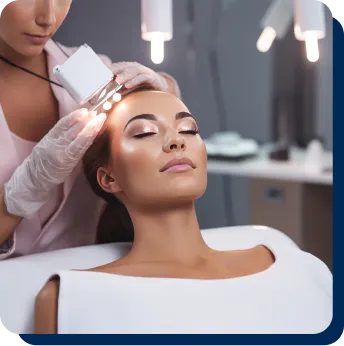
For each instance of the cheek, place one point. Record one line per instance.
(25, 5)
(62, 11)
(204, 154)
(197, 150)
(134, 163)
(14, 17)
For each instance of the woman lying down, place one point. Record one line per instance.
(151, 158)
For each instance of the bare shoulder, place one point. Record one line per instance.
(249, 261)
(104, 268)
(124, 266)
(46, 305)
(263, 255)
(258, 254)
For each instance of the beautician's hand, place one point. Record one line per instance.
(132, 74)
(51, 161)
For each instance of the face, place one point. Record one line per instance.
(157, 155)
(27, 25)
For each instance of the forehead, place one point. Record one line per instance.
(147, 102)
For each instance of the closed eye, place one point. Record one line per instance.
(145, 134)
(148, 134)
(190, 132)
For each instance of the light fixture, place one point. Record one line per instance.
(117, 97)
(310, 25)
(107, 105)
(157, 26)
(275, 23)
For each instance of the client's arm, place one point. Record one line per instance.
(46, 306)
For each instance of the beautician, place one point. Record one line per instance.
(45, 201)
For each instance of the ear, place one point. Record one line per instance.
(107, 182)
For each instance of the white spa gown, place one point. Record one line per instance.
(293, 296)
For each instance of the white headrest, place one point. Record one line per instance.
(23, 277)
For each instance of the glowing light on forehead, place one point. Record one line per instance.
(122, 106)
(107, 105)
(117, 97)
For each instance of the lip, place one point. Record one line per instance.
(37, 39)
(178, 165)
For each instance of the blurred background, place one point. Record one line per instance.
(266, 116)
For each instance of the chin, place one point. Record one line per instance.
(184, 184)
(192, 196)
(184, 198)
(186, 192)
(170, 197)
(29, 50)
(32, 51)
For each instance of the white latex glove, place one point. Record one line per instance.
(132, 74)
(51, 161)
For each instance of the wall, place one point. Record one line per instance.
(324, 115)
(245, 74)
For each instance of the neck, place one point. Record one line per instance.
(167, 235)
(24, 61)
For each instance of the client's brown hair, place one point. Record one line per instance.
(115, 224)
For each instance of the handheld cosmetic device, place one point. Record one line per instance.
(87, 79)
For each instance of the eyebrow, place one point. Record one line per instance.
(152, 117)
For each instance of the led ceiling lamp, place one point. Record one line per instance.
(310, 25)
(157, 26)
(275, 23)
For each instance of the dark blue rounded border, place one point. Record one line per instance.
(330, 335)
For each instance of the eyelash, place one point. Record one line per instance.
(190, 132)
(147, 134)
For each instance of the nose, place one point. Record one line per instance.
(45, 13)
(175, 142)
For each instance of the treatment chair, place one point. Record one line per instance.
(23, 277)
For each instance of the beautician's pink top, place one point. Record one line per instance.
(71, 215)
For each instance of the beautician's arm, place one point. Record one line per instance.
(51, 161)
(8, 222)
(46, 305)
